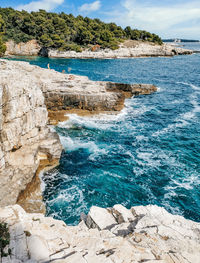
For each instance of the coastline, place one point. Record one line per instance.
(145, 233)
(128, 49)
(46, 91)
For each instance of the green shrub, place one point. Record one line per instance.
(4, 239)
(2, 45)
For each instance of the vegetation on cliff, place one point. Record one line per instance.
(66, 32)
(2, 45)
(4, 239)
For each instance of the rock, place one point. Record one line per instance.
(129, 48)
(35, 238)
(38, 248)
(30, 48)
(24, 131)
(124, 213)
(101, 217)
(135, 49)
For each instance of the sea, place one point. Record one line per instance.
(149, 153)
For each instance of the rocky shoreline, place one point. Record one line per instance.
(113, 235)
(128, 49)
(31, 98)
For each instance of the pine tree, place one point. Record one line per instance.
(2, 45)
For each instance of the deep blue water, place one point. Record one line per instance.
(148, 154)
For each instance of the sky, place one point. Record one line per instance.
(167, 18)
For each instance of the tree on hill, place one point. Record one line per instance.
(2, 45)
(66, 32)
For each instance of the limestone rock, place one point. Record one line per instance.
(137, 49)
(38, 248)
(154, 236)
(24, 133)
(31, 48)
(129, 48)
(102, 217)
(123, 214)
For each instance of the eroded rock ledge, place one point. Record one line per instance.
(113, 235)
(28, 94)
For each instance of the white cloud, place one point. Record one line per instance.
(159, 19)
(87, 8)
(47, 5)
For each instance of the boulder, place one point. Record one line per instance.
(102, 217)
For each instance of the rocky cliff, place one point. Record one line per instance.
(27, 145)
(114, 235)
(27, 94)
(129, 48)
(25, 139)
(30, 48)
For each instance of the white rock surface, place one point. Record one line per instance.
(154, 236)
(102, 217)
(24, 133)
(132, 49)
(141, 49)
(30, 48)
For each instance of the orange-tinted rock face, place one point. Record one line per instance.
(31, 48)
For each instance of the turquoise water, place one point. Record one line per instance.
(148, 154)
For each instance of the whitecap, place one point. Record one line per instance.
(42, 184)
(141, 138)
(183, 119)
(194, 87)
(72, 145)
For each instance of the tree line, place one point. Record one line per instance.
(64, 31)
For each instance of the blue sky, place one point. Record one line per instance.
(168, 18)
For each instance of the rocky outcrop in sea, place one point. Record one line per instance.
(126, 50)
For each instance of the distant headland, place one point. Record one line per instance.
(178, 40)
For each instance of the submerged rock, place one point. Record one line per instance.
(154, 236)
